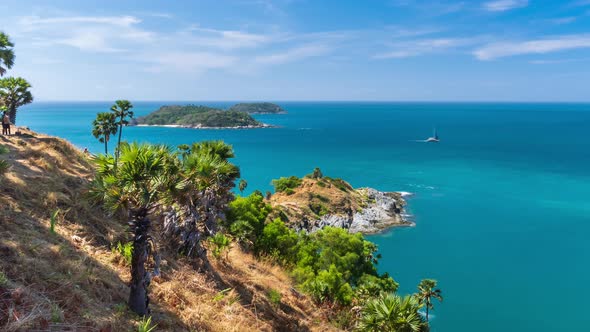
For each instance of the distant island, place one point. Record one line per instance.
(258, 108)
(197, 116)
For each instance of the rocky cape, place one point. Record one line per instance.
(317, 203)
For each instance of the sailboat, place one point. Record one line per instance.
(434, 138)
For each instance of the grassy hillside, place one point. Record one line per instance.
(198, 116)
(74, 278)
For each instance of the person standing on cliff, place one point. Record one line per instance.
(5, 124)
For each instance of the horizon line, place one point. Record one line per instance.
(321, 101)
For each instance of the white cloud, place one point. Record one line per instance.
(504, 5)
(225, 39)
(539, 46)
(433, 8)
(187, 62)
(188, 49)
(548, 62)
(293, 54)
(104, 34)
(88, 41)
(37, 22)
(420, 47)
(563, 20)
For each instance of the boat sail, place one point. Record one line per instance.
(434, 137)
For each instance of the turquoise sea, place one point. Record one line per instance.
(500, 204)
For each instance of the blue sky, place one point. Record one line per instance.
(430, 50)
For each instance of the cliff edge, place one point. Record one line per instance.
(314, 202)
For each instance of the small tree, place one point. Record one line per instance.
(145, 177)
(122, 111)
(14, 93)
(392, 313)
(6, 53)
(208, 179)
(426, 292)
(242, 186)
(317, 173)
(103, 127)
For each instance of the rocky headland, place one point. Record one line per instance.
(312, 203)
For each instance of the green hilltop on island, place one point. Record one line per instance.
(198, 116)
(258, 108)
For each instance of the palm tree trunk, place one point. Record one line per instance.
(119, 141)
(138, 296)
(12, 115)
(106, 150)
(427, 313)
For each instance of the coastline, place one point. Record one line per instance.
(263, 125)
(386, 211)
(363, 210)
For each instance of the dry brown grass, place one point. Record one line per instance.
(72, 280)
(321, 194)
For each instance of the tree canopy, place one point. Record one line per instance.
(103, 127)
(194, 116)
(14, 93)
(6, 53)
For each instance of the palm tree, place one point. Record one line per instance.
(208, 178)
(426, 292)
(122, 111)
(392, 313)
(242, 185)
(14, 93)
(217, 148)
(6, 53)
(144, 178)
(103, 127)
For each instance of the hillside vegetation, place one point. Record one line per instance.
(258, 108)
(74, 275)
(198, 116)
(316, 201)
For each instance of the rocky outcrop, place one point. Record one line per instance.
(318, 203)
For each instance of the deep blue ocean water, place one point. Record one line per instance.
(501, 203)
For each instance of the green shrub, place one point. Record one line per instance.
(342, 185)
(318, 208)
(332, 262)
(53, 221)
(120, 308)
(246, 216)
(3, 149)
(221, 243)
(3, 279)
(125, 250)
(286, 183)
(274, 297)
(4, 166)
(317, 174)
(329, 285)
(56, 314)
(145, 325)
(221, 294)
(279, 242)
(370, 286)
